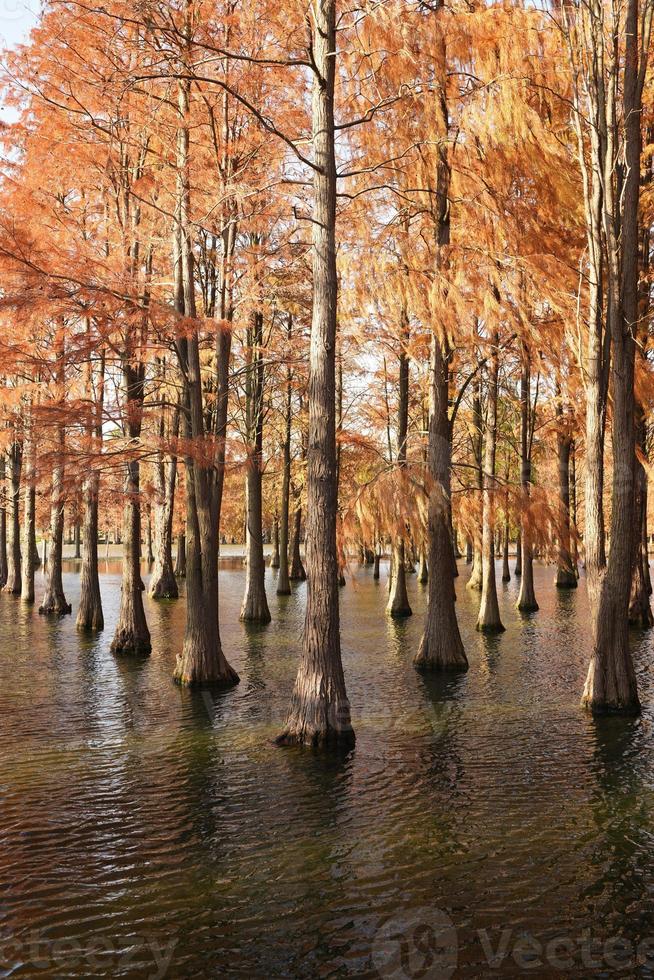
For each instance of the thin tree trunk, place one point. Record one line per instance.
(180, 556)
(29, 567)
(132, 635)
(274, 557)
(489, 620)
(13, 583)
(255, 604)
(89, 614)
(440, 648)
(163, 584)
(54, 601)
(517, 570)
(297, 573)
(201, 661)
(398, 601)
(320, 710)
(3, 522)
(527, 597)
(566, 576)
(283, 580)
(475, 580)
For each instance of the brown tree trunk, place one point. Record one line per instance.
(527, 597)
(89, 614)
(283, 580)
(440, 648)
(566, 576)
(489, 620)
(475, 580)
(255, 604)
(320, 710)
(201, 661)
(517, 571)
(297, 573)
(163, 584)
(13, 583)
(54, 601)
(423, 568)
(180, 556)
(468, 551)
(29, 523)
(506, 571)
(611, 681)
(3, 522)
(398, 601)
(132, 636)
(274, 557)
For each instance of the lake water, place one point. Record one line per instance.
(151, 831)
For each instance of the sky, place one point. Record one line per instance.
(16, 19)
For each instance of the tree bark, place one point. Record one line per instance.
(297, 573)
(283, 580)
(489, 620)
(274, 557)
(29, 523)
(89, 614)
(441, 648)
(54, 601)
(3, 521)
(163, 584)
(132, 636)
(320, 710)
(180, 556)
(13, 583)
(398, 601)
(527, 597)
(201, 661)
(255, 604)
(475, 580)
(566, 576)
(611, 681)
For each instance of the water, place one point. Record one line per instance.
(151, 831)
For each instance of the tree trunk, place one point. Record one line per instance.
(527, 597)
(566, 576)
(320, 710)
(255, 604)
(89, 614)
(180, 557)
(283, 580)
(611, 681)
(54, 601)
(13, 584)
(475, 580)
(517, 571)
(132, 636)
(201, 661)
(274, 557)
(163, 584)
(398, 601)
(423, 568)
(297, 573)
(489, 620)
(3, 522)
(506, 571)
(29, 566)
(440, 648)
(77, 541)
(468, 551)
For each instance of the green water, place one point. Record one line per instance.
(150, 831)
